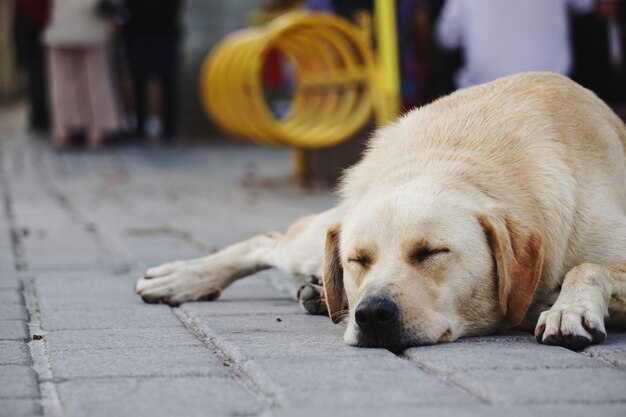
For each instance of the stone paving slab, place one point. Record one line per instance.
(525, 354)
(8, 277)
(18, 407)
(14, 330)
(295, 334)
(14, 352)
(18, 381)
(100, 339)
(172, 361)
(341, 383)
(88, 288)
(133, 317)
(465, 410)
(180, 396)
(566, 386)
(82, 226)
(11, 296)
(6, 262)
(13, 312)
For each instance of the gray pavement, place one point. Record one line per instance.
(76, 229)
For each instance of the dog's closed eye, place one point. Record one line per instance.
(362, 257)
(423, 253)
(364, 261)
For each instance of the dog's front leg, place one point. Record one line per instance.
(204, 279)
(588, 293)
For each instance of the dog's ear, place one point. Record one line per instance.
(519, 260)
(333, 275)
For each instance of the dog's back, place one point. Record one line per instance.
(526, 125)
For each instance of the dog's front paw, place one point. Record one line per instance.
(573, 326)
(311, 297)
(176, 282)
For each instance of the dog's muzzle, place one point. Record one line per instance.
(378, 320)
(376, 315)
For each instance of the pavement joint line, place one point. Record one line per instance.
(83, 329)
(240, 373)
(49, 396)
(72, 329)
(122, 270)
(129, 348)
(16, 242)
(50, 399)
(197, 375)
(449, 380)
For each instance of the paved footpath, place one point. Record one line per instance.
(76, 229)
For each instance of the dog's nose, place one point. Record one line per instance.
(375, 314)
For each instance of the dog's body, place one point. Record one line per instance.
(465, 217)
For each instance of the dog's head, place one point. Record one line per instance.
(417, 269)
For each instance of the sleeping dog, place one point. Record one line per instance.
(498, 206)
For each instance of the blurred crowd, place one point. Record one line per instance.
(109, 68)
(449, 44)
(91, 62)
(479, 41)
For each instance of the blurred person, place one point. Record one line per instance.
(117, 13)
(10, 78)
(444, 62)
(502, 37)
(81, 90)
(350, 9)
(319, 5)
(414, 50)
(152, 38)
(269, 10)
(599, 52)
(31, 18)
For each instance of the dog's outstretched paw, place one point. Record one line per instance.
(573, 327)
(176, 282)
(311, 297)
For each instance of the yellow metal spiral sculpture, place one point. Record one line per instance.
(334, 88)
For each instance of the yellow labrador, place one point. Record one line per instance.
(502, 205)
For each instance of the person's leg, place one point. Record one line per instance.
(104, 111)
(37, 81)
(169, 105)
(62, 87)
(140, 82)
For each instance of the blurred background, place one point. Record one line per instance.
(126, 73)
